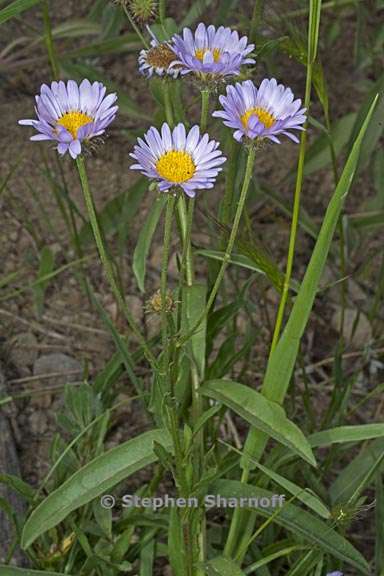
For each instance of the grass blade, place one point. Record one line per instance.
(143, 245)
(283, 358)
(298, 521)
(15, 8)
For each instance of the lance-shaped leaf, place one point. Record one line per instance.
(94, 479)
(261, 413)
(300, 522)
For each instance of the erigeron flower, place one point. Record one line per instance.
(211, 52)
(176, 159)
(70, 114)
(158, 59)
(263, 112)
(142, 10)
(155, 305)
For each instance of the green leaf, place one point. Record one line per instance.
(118, 212)
(237, 259)
(376, 127)
(367, 220)
(298, 521)
(94, 479)
(176, 543)
(145, 238)
(47, 263)
(359, 473)
(306, 496)
(15, 8)
(261, 413)
(379, 525)
(12, 571)
(283, 358)
(18, 485)
(319, 154)
(194, 298)
(122, 347)
(195, 11)
(221, 566)
(147, 557)
(346, 434)
(125, 43)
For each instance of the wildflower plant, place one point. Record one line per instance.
(209, 51)
(214, 430)
(71, 114)
(176, 159)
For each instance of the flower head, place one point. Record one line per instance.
(263, 112)
(70, 114)
(155, 303)
(142, 10)
(209, 51)
(175, 158)
(337, 573)
(158, 59)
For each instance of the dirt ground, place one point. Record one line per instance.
(49, 350)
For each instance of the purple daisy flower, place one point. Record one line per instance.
(337, 573)
(218, 52)
(157, 59)
(69, 114)
(263, 112)
(175, 158)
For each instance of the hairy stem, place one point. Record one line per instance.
(89, 201)
(230, 245)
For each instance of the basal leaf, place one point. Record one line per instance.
(94, 479)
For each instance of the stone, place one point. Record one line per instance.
(63, 367)
(362, 334)
(24, 352)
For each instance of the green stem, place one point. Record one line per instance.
(162, 11)
(204, 110)
(135, 27)
(257, 15)
(243, 522)
(230, 245)
(233, 156)
(163, 281)
(106, 261)
(295, 218)
(55, 68)
(343, 266)
(168, 104)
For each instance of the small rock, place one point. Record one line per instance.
(135, 306)
(24, 352)
(38, 423)
(362, 332)
(66, 368)
(113, 311)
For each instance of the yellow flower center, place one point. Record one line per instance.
(72, 121)
(160, 56)
(264, 117)
(200, 53)
(176, 166)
